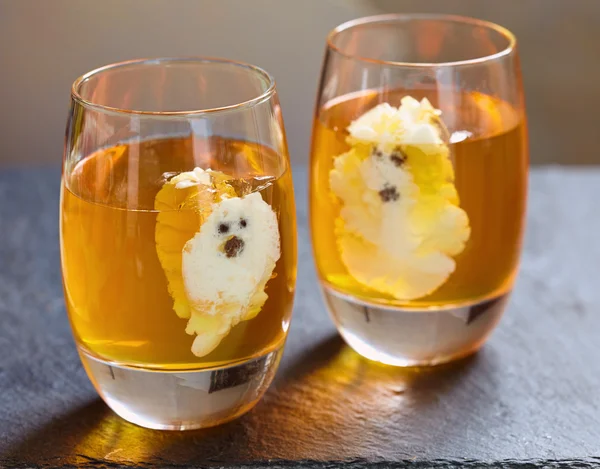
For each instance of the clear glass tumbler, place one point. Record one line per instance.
(178, 237)
(418, 183)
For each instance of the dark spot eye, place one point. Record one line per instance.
(243, 223)
(233, 246)
(376, 152)
(223, 228)
(389, 194)
(398, 157)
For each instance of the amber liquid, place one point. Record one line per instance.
(115, 288)
(490, 162)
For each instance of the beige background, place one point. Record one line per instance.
(46, 44)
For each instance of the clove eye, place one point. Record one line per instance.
(398, 157)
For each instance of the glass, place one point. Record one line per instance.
(178, 237)
(418, 183)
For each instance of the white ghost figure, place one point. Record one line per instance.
(226, 267)
(400, 221)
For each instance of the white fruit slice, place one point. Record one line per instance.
(226, 266)
(400, 222)
(218, 254)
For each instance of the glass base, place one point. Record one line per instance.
(413, 337)
(181, 400)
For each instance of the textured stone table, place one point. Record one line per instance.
(530, 398)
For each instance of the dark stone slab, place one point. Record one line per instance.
(530, 398)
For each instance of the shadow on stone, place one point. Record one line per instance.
(51, 442)
(306, 362)
(93, 435)
(340, 406)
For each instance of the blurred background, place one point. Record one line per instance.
(45, 45)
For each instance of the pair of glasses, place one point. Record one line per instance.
(178, 226)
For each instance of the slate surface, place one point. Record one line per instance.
(530, 398)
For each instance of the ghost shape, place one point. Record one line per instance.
(226, 267)
(400, 221)
(218, 252)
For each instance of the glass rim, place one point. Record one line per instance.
(405, 17)
(247, 104)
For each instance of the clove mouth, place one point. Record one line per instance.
(233, 247)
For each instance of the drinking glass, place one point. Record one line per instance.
(178, 241)
(418, 181)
